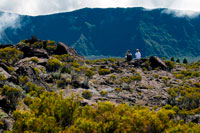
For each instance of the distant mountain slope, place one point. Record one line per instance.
(113, 31)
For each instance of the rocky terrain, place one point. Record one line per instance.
(33, 68)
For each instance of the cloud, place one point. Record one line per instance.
(8, 20)
(40, 7)
(182, 13)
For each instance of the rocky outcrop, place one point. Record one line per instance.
(62, 49)
(32, 40)
(139, 62)
(156, 62)
(30, 52)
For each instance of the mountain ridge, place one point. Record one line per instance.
(154, 32)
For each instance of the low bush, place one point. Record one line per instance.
(104, 71)
(54, 64)
(118, 90)
(35, 59)
(103, 93)
(89, 73)
(12, 94)
(10, 55)
(2, 79)
(49, 112)
(38, 44)
(170, 64)
(86, 94)
(65, 70)
(64, 58)
(51, 46)
(185, 97)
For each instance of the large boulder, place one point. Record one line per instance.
(156, 62)
(62, 49)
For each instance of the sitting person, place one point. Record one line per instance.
(128, 56)
(137, 54)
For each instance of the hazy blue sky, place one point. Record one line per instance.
(38, 7)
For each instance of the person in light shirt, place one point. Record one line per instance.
(137, 54)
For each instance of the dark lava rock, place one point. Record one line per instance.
(30, 52)
(156, 62)
(62, 49)
(4, 104)
(138, 62)
(4, 66)
(13, 79)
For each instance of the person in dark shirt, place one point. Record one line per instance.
(128, 56)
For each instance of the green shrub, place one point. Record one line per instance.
(10, 69)
(118, 90)
(37, 44)
(23, 80)
(54, 64)
(170, 64)
(35, 59)
(65, 70)
(2, 79)
(64, 58)
(127, 80)
(185, 97)
(28, 100)
(89, 73)
(133, 70)
(75, 64)
(33, 89)
(56, 75)
(156, 76)
(51, 45)
(112, 60)
(61, 83)
(187, 74)
(113, 77)
(12, 94)
(10, 55)
(137, 77)
(86, 94)
(106, 117)
(179, 76)
(49, 112)
(37, 70)
(103, 93)
(104, 71)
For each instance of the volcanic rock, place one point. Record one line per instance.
(156, 62)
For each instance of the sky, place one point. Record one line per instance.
(42, 7)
